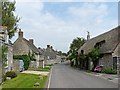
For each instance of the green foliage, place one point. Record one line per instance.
(8, 17)
(61, 53)
(11, 74)
(95, 56)
(74, 46)
(31, 55)
(46, 69)
(3, 54)
(4, 78)
(77, 43)
(73, 52)
(26, 59)
(24, 81)
(109, 71)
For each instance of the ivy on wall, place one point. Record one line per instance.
(26, 59)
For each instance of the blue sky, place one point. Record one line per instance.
(58, 23)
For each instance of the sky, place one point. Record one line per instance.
(58, 22)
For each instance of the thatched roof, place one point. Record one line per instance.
(109, 38)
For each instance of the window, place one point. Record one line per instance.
(82, 51)
(115, 63)
(99, 44)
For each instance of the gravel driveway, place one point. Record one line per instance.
(36, 72)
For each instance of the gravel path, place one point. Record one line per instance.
(36, 72)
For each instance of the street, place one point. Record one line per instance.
(64, 76)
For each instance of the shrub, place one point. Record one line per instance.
(3, 78)
(11, 74)
(109, 71)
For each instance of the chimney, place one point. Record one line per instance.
(20, 34)
(39, 48)
(48, 46)
(31, 41)
(51, 47)
(88, 35)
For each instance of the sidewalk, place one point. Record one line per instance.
(110, 77)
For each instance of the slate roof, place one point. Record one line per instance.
(111, 38)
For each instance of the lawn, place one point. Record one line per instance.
(25, 81)
(46, 69)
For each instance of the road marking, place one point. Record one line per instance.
(49, 78)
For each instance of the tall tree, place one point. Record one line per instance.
(9, 19)
(74, 46)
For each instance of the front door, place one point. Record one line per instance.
(115, 63)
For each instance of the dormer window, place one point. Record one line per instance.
(99, 44)
(82, 51)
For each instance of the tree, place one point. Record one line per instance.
(3, 54)
(95, 55)
(77, 43)
(9, 19)
(74, 46)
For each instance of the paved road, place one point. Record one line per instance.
(63, 76)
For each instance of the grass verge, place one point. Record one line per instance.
(25, 81)
(46, 69)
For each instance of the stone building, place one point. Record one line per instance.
(49, 54)
(6, 42)
(6, 62)
(109, 45)
(23, 47)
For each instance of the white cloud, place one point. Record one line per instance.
(46, 28)
(80, 0)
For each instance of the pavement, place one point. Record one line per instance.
(109, 77)
(64, 76)
(36, 72)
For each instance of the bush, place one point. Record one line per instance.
(4, 78)
(109, 71)
(11, 74)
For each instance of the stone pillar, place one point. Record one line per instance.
(10, 57)
(37, 60)
(43, 66)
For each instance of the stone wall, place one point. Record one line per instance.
(16, 66)
(106, 61)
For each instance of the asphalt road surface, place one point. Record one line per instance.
(63, 76)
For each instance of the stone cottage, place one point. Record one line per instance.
(109, 44)
(50, 55)
(23, 47)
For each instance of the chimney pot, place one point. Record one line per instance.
(88, 35)
(51, 47)
(48, 46)
(31, 41)
(20, 33)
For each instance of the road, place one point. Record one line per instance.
(64, 76)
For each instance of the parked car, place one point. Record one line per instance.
(98, 68)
